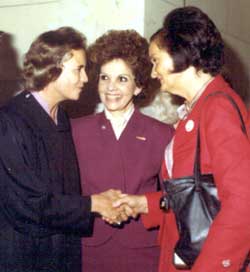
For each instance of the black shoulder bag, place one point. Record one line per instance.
(195, 203)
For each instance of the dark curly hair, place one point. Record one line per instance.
(192, 39)
(129, 46)
(42, 63)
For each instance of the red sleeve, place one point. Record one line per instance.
(154, 216)
(228, 147)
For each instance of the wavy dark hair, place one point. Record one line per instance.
(129, 46)
(192, 39)
(43, 61)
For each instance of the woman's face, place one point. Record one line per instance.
(117, 86)
(69, 84)
(163, 66)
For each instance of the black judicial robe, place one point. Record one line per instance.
(42, 213)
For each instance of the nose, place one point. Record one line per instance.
(153, 72)
(84, 77)
(111, 85)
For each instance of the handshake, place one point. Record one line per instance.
(116, 207)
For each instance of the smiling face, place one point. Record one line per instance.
(163, 66)
(68, 85)
(117, 86)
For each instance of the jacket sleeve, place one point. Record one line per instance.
(154, 216)
(228, 241)
(25, 201)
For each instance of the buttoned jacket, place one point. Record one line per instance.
(225, 152)
(130, 164)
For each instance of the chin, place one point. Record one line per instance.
(111, 109)
(76, 96)
(164, 89)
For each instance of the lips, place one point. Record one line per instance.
(159, 78)
(113, 96)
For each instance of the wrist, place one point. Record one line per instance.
(143, 204)
(95, 204)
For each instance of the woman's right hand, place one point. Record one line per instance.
(133, 205)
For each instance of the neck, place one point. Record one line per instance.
(197, 86)
(120, 114)
(52, 103)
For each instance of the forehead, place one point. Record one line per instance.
(78, 58)
(116, 67)
(155, 50)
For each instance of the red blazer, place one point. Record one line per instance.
(225, 152)
(131, 164)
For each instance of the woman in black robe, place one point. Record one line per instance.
(42, 212)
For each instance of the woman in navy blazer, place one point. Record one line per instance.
(120, 148)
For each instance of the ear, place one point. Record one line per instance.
(137, 91)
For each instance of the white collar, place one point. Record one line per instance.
(119, 122)
(122, 118)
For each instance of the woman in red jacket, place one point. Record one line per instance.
(187, 56)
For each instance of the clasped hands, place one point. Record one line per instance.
(116, 207)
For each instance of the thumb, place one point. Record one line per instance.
(120, 201)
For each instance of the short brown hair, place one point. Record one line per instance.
(192, 39)
(127, 45)
(42, 63)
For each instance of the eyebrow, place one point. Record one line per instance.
(127, 75)
(81, 66)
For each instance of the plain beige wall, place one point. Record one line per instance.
(233, 19)
(26, 19)
(155, 11)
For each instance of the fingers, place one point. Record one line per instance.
(112, 194)
(129, 204)
(102, 204)
(137, 203)
(129, 211)
(116, 207)
(123, 216)
(121, 201)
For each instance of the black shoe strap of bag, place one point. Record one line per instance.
(197, 168)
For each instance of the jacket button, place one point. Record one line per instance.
(226, 263)
(189, 125)
(103, 127)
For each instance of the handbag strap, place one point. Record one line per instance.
(197, 167)
(234, 104)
